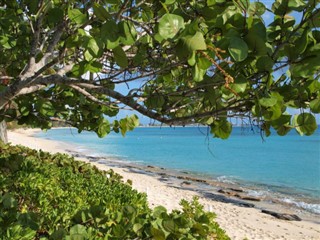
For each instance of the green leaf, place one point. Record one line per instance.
(93, 67)
(134, 120)
(47, 109)
(29, 220)
(301, 43)
(198, 73)
(194, 42)
(204, 63)
(104, 128)
(192, 59)
(257, 9)
(157, 234)
(170, 25)
(9, 202)
(170, 226)
(78, 232)
(306, 67)
(55, 15)
(120, 57)
(137, 227)
(315, 105)
(240, 84)
(76, 16)
(100, 12)
(238, 49)
(268, 102)
(305, 123)
(24, 110)
(93, 47)
(58, 234)
(264, 63)
(221, 129)
(128, 33)
(158, 211)
(110, 34)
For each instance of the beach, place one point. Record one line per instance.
(240, 222)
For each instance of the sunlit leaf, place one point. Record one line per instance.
(170, 25)
(238, 49)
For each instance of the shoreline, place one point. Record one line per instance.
(238, 219)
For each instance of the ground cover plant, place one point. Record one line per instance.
(44, 196)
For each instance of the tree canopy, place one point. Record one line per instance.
(198, 61)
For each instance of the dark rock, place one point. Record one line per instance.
(222, 191)
(282, 216)
(192, 179)
(236, 189)
(149, 166)
(221, 198)
(228, 193)
(236, 194)
(186, 183)
(244, 204)
(163, 174)
(249, 198)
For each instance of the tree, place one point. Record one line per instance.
(182, 61)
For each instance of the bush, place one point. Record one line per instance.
(44, 196)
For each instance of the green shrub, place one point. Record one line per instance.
(44, 196)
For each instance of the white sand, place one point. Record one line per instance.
(238, 222)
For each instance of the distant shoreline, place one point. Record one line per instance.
(187, 185)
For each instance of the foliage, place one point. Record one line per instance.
(181, 61)
(45, 196)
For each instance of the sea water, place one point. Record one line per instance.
(288, 166)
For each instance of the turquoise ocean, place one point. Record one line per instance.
(288, 167)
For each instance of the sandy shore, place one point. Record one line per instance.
(239, 222)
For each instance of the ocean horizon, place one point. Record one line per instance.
(287, 167)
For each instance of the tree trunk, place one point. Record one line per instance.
(3, 132)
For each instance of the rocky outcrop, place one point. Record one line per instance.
(241, 196)
(283, 216)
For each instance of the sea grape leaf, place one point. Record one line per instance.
(238, 49)
(194, 42)
(100, 12)
(110, 34)
(128, 33)
(305, 123)
(104, 128)
(93, 47)
(306, 67)
(240, 84)
(198, 73)
(268, 101)
(221, 129)
(157, 234)
(170, 226)
(120, 57)
(78, 232)
(58, 234)
(29, 220)
(170, 25)
(76, 16)
(47, 109)
(264, 63)
(158, 211)
(315, 105)
(55, 15)
(257, 8)
(8, 201)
